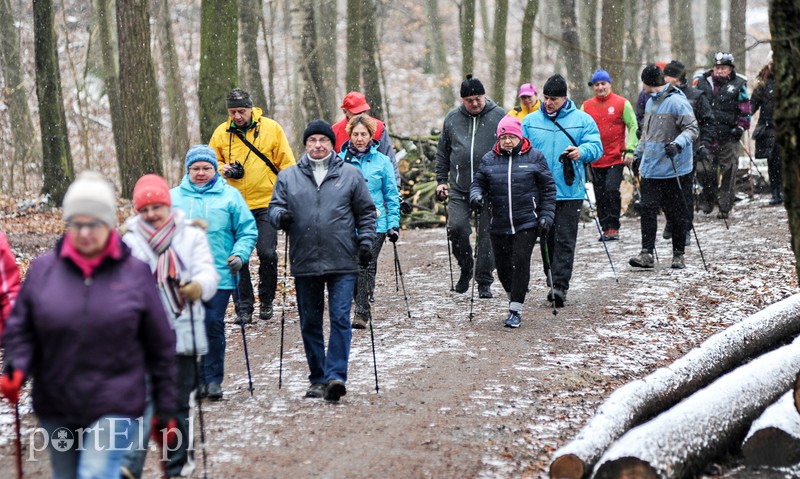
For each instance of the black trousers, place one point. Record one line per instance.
(775, 173)
(560, 247)
(665, 194)
(267, 267)
(512, 257)
(365, 286)
(606, 190)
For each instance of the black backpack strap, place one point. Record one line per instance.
(241, 135)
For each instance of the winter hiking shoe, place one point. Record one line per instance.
(463, 282)
(265, 313)
(360, 321)
(214, 392)
(677, 260)
(334, 390)
(722, 215)
(244, 317)
(485, 291)
(610, 235)
(644, 260)
(514, 319)
(667, 234)
(315, 390)
(558, 296)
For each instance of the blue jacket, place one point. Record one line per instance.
(548, 138)
(668, 117)
(231, 226)
(519, 187)
(378, 170)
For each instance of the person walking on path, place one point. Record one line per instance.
(182, 265)
(569, 139)
(9, 281)
(204, 194)
(764, 101)
(89, 327)
(528, 101)
(665, 153)
(361, 151)
(252, 149)
(614, 116)
(325, 208)
(730, 102)
(516, 185)
(469, 132)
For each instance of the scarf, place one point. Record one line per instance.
(355, 152)
(204, 187)
(167, 273)
(89, 265)
(553, 116)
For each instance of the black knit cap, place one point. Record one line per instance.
(319, 127)
(652, 76)
(471, 87)
(238, 98)
(675, 69)
(555, 86)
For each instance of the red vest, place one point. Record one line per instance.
(607, 113)
(341, 133)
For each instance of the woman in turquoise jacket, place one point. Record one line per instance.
(232, 235)
(362, 152)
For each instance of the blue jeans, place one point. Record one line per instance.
(311, 304)
(95, 452)
(214, 361)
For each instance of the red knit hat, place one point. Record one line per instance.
(151, 190)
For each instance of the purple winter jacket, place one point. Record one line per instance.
(88, 343)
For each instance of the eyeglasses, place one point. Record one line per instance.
(77, 226)
(723, 57)
(197, 169)
(321, 141)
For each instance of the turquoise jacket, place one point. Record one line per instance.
(377, 169)
(231, 225)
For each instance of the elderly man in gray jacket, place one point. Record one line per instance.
(324, 206)
(469, 132)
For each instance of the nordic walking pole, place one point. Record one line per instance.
(752, 161)
(402, 281)
(18, 441)
(686, 211)
(449, 254)
(244, 336)
(362, 277)
(283, 307)
(599, 229)
(474, 263)
(199, 399)
(549, 273)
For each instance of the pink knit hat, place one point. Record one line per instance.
(509, 125)
(528, 89)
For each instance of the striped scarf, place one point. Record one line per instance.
(167, 273)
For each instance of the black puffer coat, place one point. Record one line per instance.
(518, 186)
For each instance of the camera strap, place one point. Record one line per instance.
(565, 132)
(241, 135)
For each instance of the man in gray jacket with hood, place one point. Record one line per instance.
(469, 132)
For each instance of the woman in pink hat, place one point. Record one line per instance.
(528, 101)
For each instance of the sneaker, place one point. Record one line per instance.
(485, 291)
(463, 282)
(265, 313)
(244, 317)
(315, 391)
(677, 261)
(360, 321)
(722, 215)
(644, 260)
(202, 391)
(214, 392)
(514, 319)
(610, 235)
(334, 390)
(558, 296)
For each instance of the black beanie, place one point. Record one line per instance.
(555, 86)
(652, 76)
(675, 69)
(238, 98)
(319, 127)
(471, 87)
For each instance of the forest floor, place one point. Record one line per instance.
(461, 398)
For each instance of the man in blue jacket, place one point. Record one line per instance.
(569, 139)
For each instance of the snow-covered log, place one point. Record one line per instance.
(642, 399)
(684, 438)
(797, 393)
(774, 438)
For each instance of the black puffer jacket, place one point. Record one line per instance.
(518, 186)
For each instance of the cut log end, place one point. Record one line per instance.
(626, 468)
(568, 466)
(797, 393)
(771, 447)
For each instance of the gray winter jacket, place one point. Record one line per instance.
(330, 220)
(464, 141)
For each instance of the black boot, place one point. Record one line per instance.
(463, 281)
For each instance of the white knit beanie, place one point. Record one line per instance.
(91, 194)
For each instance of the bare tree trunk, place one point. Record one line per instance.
(738, 34)
(526, 49)
(141, 133)
(176, 131)
(682, 31)
(486, 21)
(325, 16)
(370, 71)
(354, 53)
(588, 32)
(713, 26)
(305, 40)
(570, 47)
(498, 60)
(219, 30)
(784, 16)
(269, 26)
(57, 166)
(467, 27)
(439, 65)
(632, 83)
(613, 36)
(109, 56)
(250, 66)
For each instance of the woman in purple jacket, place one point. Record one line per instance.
(87, 326)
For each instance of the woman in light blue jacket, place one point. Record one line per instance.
(232, 235)
(361, 151)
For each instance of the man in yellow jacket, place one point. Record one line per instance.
(252, 149)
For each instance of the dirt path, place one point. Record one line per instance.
(474, 399)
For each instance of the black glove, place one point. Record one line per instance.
(736, 133)
(672, 149)
(364, 255)
(393, 235)
(405, 208)
(476, 203)
(702, 152)
(285, 220)
(544, 227)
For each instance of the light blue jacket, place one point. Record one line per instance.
(231, 225)
(548, 138)
(379, 173)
